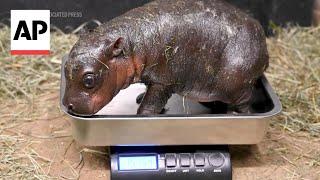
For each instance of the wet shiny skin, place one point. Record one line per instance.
(204, 50)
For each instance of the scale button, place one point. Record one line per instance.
(171, 160)
(185, 160)
(199, 159)
(216, 159)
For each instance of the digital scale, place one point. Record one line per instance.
(171, 163)
(183, 143)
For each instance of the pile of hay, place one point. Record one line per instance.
(295, 74)
(29, 76)
(24, 80)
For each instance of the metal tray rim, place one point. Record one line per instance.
(275, 110)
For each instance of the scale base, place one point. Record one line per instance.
(170, 163)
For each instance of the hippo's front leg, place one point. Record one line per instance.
(155, 99)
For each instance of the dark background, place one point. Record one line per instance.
(280, 12)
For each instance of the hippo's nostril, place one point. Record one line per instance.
(70, 107)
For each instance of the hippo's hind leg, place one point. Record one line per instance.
(242, 104)
(236, 91)
(245, 59)
(154, 99)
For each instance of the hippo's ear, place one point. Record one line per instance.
(117, 47)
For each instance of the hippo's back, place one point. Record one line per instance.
(217, 10)
(190, 20)
(190, 12)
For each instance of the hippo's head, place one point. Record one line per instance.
(95, 71)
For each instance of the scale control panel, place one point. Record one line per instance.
(171, 163)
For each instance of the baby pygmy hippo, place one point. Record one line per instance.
(204, 50)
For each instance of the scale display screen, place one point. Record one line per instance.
(147, 162)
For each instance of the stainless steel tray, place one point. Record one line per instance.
(184, 123)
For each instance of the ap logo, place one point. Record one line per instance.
(30, 32)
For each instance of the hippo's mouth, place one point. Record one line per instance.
(72, 111)
(80, 114)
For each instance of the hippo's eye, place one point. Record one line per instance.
(89, 80)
